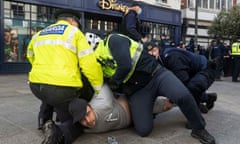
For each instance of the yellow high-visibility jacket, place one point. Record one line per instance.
(104, 56)
(236, 49)
(58, 53)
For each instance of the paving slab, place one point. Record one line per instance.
(19, 110)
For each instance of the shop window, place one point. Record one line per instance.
(223, 4)
(191, 4)
(10, 45)
(218, 4)
(204, 4)
(20, 22)
(155, 30)
(102, 26)
(230, 3)
(162, 1)
(95, 24)
(18, 11)
(211, 4)
(7, 13)
(111, 26)
(44, 13)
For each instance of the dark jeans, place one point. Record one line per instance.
(59, 98)
(219, 66)
(164, 83)
(236, 68)
(46, 112)
(227, 66)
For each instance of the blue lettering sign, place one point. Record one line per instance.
(57, 29)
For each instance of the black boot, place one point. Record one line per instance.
(45, 114)
(203, 108)
(203, 136)
(52, 133)
(212, 97)
(188, 126)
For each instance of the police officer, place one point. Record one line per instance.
(191, 69)
(134, 72)
(236, 60)
(59, 54)
(217, 55)
(46, 110)
(164, 43)
(131, 25)
(191, 46)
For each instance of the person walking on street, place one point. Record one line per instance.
(59, 54)
(132, 71)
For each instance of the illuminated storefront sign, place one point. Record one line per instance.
(113, 5)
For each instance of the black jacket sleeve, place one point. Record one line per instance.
(131, 25)
(119, 47)
(179, 66)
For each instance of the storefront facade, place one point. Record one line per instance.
(20, 19)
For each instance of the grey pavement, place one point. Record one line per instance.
(19, 109)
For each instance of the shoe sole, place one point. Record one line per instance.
(215, 98)
(213, 95)
(201, 140)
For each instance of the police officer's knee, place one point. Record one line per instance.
(143, 132)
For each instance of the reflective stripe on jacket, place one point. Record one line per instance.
(58, 52)
(108, 63)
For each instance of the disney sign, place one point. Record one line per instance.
(112, 5)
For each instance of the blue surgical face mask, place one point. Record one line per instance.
(139, 11)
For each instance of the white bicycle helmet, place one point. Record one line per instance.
(93, 39)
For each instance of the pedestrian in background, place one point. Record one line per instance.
(217, 55)
(164, 42)
(182, 45)
(228, 60)
(191, 45)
